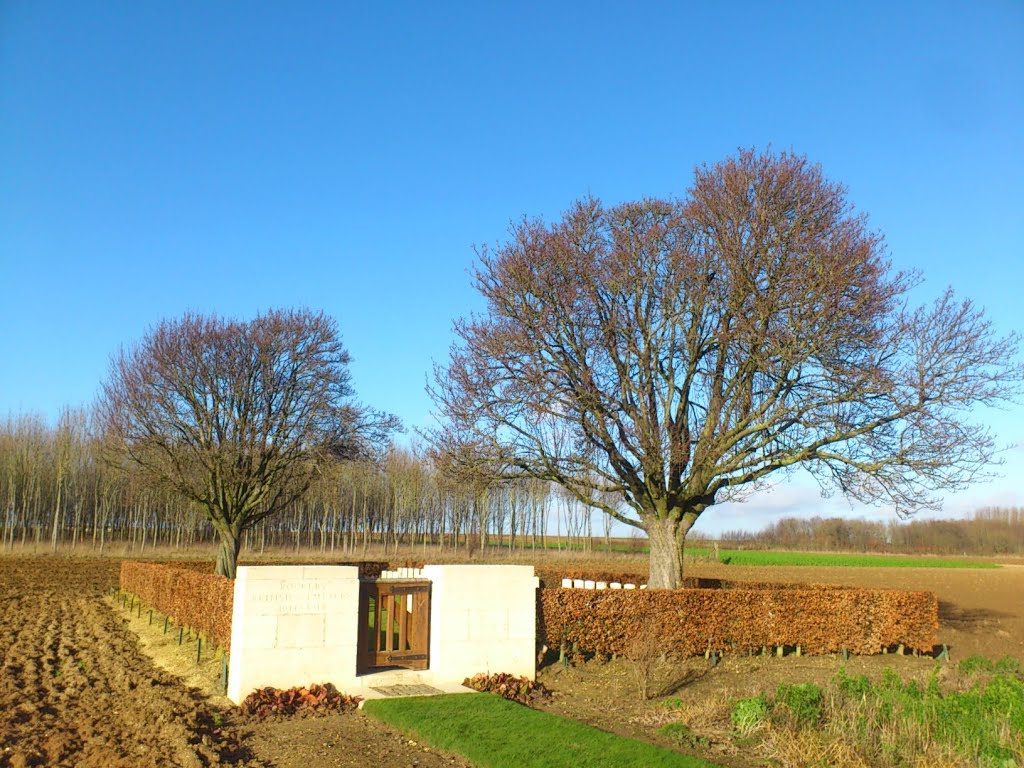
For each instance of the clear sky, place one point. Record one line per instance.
(227, 157)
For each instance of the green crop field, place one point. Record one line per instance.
(494, 733)
(756, 557)
(771, 557)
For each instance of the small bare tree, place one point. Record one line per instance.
(236, 415)
(680, 353)
(643, 652)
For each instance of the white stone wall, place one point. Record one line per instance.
(297, 625)
(483, 618)
(293, 625)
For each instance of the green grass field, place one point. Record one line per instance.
(494, 733)
(762, 557)
(743, 557)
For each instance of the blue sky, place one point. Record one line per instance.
(221, 157)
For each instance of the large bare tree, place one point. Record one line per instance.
(236, 415)
(674, 354)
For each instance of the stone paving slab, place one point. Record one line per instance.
(406, 690)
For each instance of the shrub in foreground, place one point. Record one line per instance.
(799, 704)
(749, 715)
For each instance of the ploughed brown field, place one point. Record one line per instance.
(78, 687)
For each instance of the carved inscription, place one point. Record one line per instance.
(296, 597)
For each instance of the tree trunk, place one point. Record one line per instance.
(56, 510)
(666, 539)
(230, 542)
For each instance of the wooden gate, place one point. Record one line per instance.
(394, 624)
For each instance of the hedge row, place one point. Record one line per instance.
(192, 598)
(691, 621)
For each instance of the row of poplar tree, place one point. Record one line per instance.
(57, 490)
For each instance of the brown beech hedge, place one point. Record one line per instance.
(818, 618)
(192, 598)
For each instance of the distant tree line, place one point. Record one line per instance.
(56, 491)
(988, 531)
(58, 488)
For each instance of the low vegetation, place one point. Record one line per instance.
(977, 720)
(493, 733)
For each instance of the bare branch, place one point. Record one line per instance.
(681, 352)
(236, 416)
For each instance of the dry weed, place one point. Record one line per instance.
(844, 742)
(937, 761)
(806, 748)
(710, 713)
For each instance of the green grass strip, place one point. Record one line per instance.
(753, 557)
(492, 732)
(761, 557)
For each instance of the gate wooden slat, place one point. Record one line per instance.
(394, 624)
(403, 621)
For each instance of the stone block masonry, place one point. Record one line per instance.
(483, 619)
(296, 625)
(292, 625)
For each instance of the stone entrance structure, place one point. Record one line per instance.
(294, 625)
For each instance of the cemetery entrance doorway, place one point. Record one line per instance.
(394, 624)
